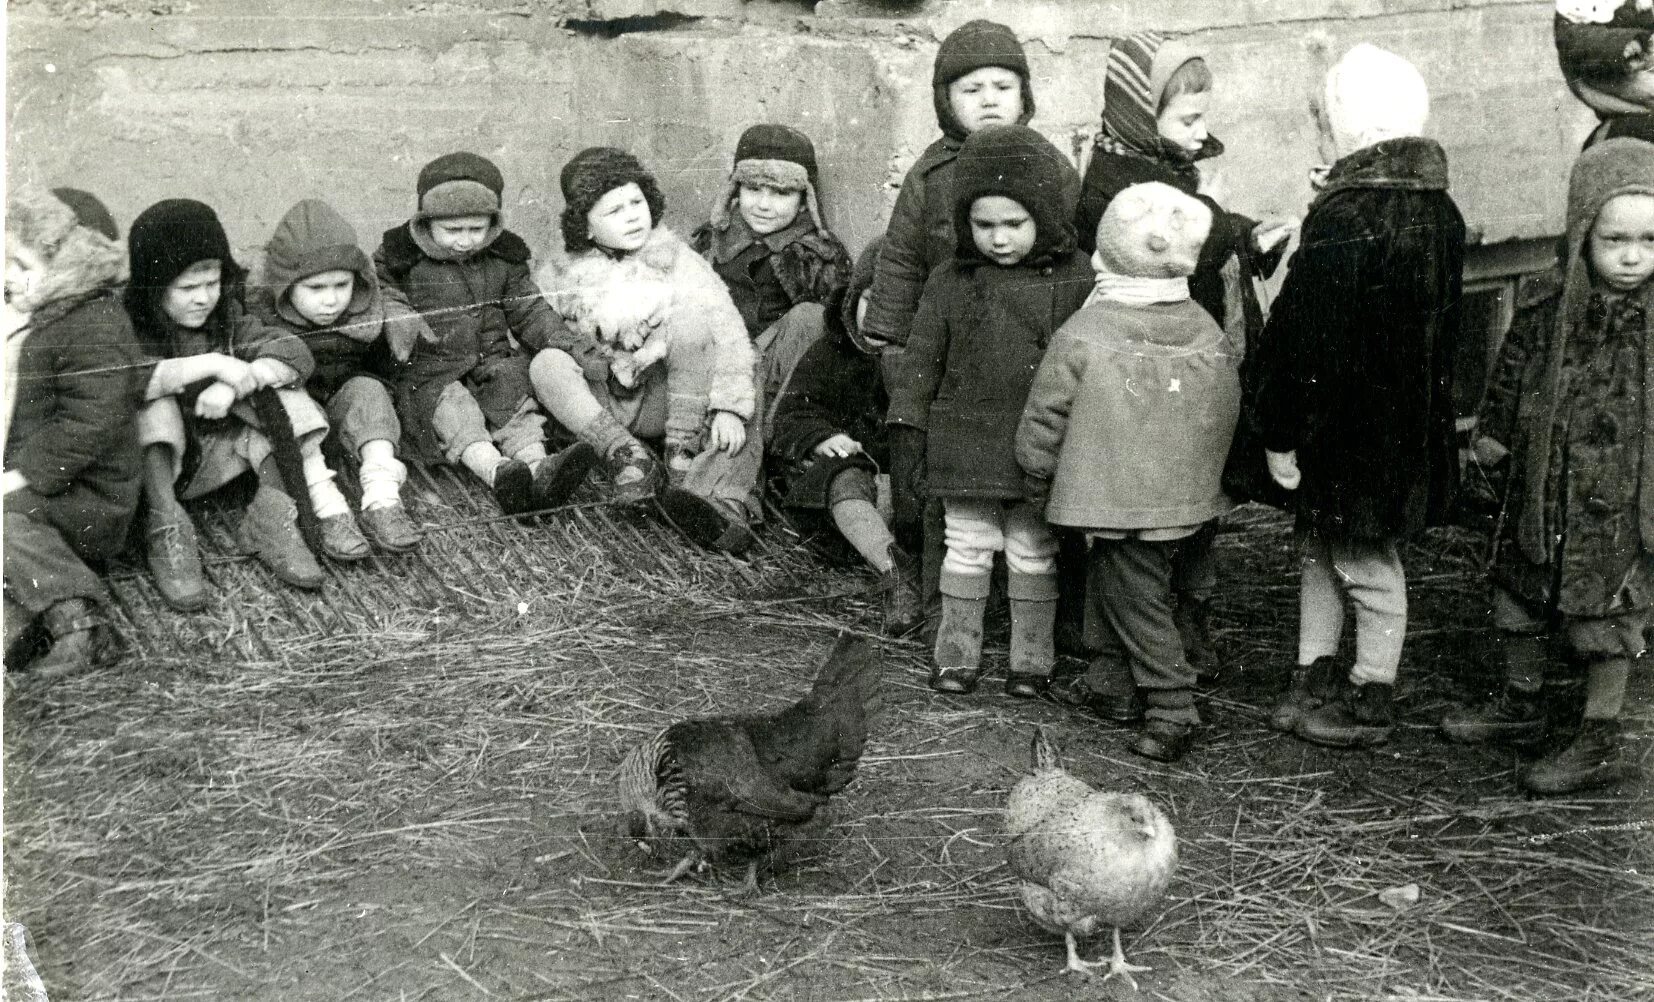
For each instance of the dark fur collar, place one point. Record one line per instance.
(1408, 164)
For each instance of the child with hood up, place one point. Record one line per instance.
(465, 395)
(1124, 437)
(319, 285)
(207, 420)
(983, 325)
(1157, 90)
(1354, 393)
(1573, 554)
(665, 355)
(768, 241)
(1606, 50)
(74, 378)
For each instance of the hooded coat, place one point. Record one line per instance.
(79, 380)
(1354, 369)
(372, 337)
(920, 234)
(1569, 397)
(982, 329)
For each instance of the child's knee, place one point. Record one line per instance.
(160, 422)
(555, 369)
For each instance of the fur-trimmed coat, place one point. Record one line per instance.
(660, 302)
(769, 275)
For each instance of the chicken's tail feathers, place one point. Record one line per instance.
(851, 674)
(1044, 752)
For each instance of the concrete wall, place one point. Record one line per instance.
(252, 106)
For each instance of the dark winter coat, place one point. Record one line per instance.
(769, 275)
(487, 317)
(835, 389)
(918, 237)
(1355, 366)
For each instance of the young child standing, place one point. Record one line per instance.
(1157, 91)
(73, 378)
(1354, 392)
(465, 396)
(770, 244)
(319, 286)
(983, 325)
(1126, 431)
(203, 427)
(1573, 554)
(665, 354)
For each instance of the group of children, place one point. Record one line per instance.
(1076, 372)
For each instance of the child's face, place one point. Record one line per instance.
(24, 270)
(321, 298)
(1001, 229)
(1622, 242)
(1183, 121)
(460, 234)
(620, 219)
(768, 209)
(991, 95)
(190, 299)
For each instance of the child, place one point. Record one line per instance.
(982, 327)
(770, 244)
(320, 286)
(1126, 431)
(73, 384)
(1156, 93)
(465, 396)
(1573, 555)
(1354, 389)
(682, 365)
(829, 441)
(203, 425)
(1607, 57)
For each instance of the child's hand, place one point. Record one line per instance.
(1273, 233)
(1283, 468)
(729, 432)
(271, 372)
(215, 401)
(236, 374)
(838, 447)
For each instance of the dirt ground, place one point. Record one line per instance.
(402, 790)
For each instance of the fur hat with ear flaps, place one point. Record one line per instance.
(1020, 164)
(79, 260)
(593, 173)
(459, 184)
(773, 155)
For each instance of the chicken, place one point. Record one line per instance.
(736, 788)
(1086, 858)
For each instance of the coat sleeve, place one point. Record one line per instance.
(900, 275)
(732, 386)
(919, 374)
(1044, 422)
(251, 339)
(95, 380)
(533, 322)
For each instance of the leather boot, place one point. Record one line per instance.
(1364, 716)
(342, 539)
(903, 607)
(1307, 690)
(1512, 718)
(269, 530)
(1594, 758)
(80, 640)
(174, 559)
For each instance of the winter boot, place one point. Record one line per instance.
(80, 640)
(903, 607)
(1033, 599)
(269, 530)
(513, 486)
(1594, 758)
(715, 523)
(174, 559)
(1309, 688)
(561, 475)
(342, 540)
(1514, 717)
(959, 645)
(630, 468)
(1193, 619)
(1364, 716)
(1163, 740)
(390, 528)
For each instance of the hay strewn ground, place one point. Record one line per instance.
(399, 791)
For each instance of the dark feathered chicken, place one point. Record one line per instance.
(738, 787)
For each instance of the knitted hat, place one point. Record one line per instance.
(78, 259)
(1139, 67)
(1372, 95)
(92, 213)
(593, 173)
(773, 155)
(164, 241)
(312, 238)
(1022, 165)
(968, 48)
(459, 184)
(1152, 230)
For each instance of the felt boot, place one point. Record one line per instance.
(903, 606)
(513, 486)
(1308, 689)
(561, 475)
(959, 644)
(1364, 716)
(1594, 758)
(1033, 599)
(715, 523)
(269, 530)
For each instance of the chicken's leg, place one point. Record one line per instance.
(1117, 964)
(689, 862)
(1077, 965)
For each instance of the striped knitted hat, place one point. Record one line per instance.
(1139, 66)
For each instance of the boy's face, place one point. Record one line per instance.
(620, 219)
(1622, 242)
(991, 95)
(24, 270)
(190, 299)
(1001, 229)
(321, 298)
(768, 209)
(460, 234)
(1183, 121)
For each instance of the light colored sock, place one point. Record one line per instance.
(382, 475)
(325, 496)
(531, 455)
(1605, 688)
(861, 526)
(481, 458)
